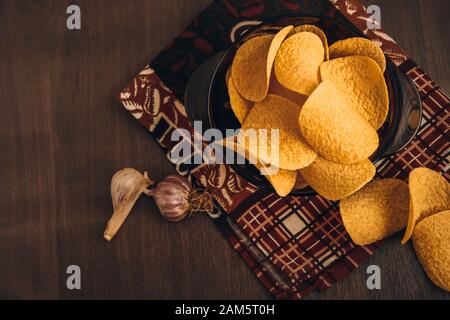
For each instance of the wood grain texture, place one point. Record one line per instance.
(63, 135)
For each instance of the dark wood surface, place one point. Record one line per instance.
(63, 135)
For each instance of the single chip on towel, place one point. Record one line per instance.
(376, 211)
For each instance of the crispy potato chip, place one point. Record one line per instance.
(376, 211)
(431, 242)
(358, 47)
(231, 142)
(275, 46)
(335, 181)
(283, 181)
(240, 106)
(361, 82)
(248, 70)
(277, 89)
(297, 62)
(333, 129)
(280, 114)
(316, 30)
(253, 64)
(429, 193)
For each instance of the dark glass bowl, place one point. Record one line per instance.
(206, 95)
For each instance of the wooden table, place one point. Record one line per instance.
(63, 135)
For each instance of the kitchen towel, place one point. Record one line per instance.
(294, 244)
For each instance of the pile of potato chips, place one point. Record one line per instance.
(326, 102)
(386, 206)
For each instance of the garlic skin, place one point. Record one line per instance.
(127, 185)
(172, 197)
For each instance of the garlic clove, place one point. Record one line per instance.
(127, 185)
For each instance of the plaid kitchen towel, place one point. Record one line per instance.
(294, 244)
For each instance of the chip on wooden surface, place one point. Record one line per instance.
(429, 193)
(253, 62)
(358, 47)
(431, 242)
(376, 211)
(240, 106)
(335, 181)
(287, 151)
(362, 84)
(297, 62)
(319, 32)
(334, 129)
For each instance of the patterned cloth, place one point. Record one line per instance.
(294, 244)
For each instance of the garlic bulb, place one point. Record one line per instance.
(127, 185)
(172, 197)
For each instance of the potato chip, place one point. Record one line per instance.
(429, 193)
(376, 211)
(249, 68)
(283, 181)
(431, 242)
(358, 47)
(253, 64)
(335, 181)
(280, 114)
(333, 129)
(316, 30)
(297, 62)
(277, 89)
(361, 82)
(231, 142)
(240, 106)
(275, 46)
